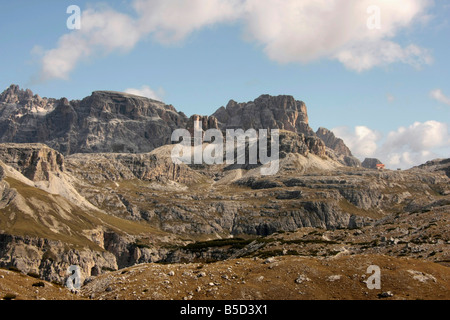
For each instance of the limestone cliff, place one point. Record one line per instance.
(266, 112)
(114, 122)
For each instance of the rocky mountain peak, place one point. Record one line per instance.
(16, 95)
(128, 105)
(266, 112)
(332, 142)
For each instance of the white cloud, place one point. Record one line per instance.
(404, 147)
(365, 56)
(288, 30)
(146, 91)
(438, 95)
(362, 141)
(418, 137)
(102, 31)
(406, 159)
(172, 20)
(303, 31)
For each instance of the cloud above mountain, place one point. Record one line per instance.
(404, 147)
(289, 31)
(362, 141)
(146, 91)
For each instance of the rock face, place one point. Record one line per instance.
(205, 122)
(142, 188)
(331, 141)
(371, 163)
(34, 161)
(291, 142)
(266, 112)
(336, 148)
(46, 226)
(438, 165)
(51, 259)
(15, 95)
(104, 122)
(154, 166)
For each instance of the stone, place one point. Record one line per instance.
(334, 278)
(302, 278)
(387, 294)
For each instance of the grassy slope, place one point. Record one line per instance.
(68, 225)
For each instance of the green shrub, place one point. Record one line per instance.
(268, 254)
(235, 243)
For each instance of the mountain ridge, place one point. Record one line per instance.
(116, 122)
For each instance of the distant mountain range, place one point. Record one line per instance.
(113, 122)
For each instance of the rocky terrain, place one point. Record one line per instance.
(279, 278)
(438, 165)
(92, 183)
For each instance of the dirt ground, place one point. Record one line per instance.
(278, 278)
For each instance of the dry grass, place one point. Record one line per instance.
(17, 286)
(339, 278)
(71, 225)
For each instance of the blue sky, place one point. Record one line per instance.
(385, 91)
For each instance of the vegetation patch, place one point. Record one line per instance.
(268, 254)
(233, 243)
(39, 284)
(308, 241)
(9, 296)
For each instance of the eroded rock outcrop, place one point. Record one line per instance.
(336, 148)
(437, 165)
(103, 122)
(34, 161)
(51, 259)
(333, 142)
(266, 112)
